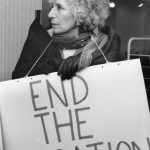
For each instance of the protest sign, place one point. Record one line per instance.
(104, 107)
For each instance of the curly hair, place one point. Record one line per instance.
(90, 13)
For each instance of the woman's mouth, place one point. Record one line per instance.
(54, 25)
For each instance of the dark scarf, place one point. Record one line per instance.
(71, 42)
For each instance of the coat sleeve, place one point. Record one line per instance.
(36, 42)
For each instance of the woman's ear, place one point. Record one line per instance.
(74, 11)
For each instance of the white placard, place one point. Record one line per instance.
(103, 107)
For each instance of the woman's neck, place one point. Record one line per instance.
(71, 33)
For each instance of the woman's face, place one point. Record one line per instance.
(61, 16)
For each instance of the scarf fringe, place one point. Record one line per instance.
(86, 54)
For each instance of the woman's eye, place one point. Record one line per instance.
(59, 7)
(51, 6)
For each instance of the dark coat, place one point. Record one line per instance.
(37, 40)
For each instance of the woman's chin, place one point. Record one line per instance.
(56, 31)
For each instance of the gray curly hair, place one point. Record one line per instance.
(90, 13)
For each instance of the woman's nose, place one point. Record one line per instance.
(51, 13)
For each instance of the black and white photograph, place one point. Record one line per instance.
(75, 75)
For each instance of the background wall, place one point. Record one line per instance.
(16, 17)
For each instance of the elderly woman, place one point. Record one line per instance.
(77, 39)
